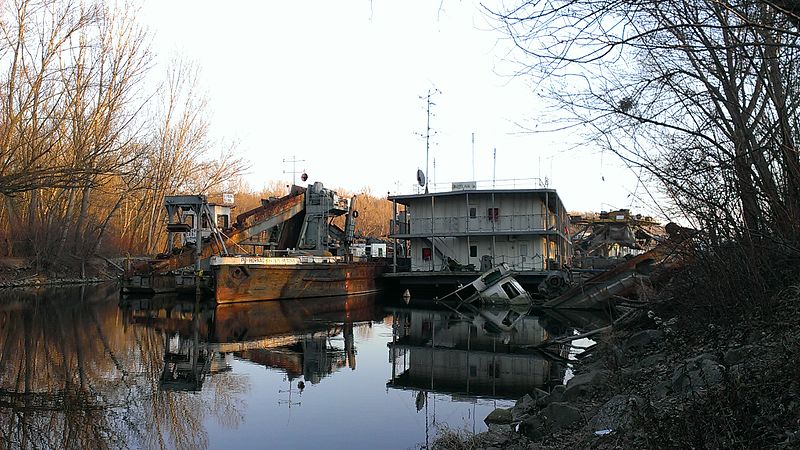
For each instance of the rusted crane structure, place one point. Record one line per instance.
(285, 248)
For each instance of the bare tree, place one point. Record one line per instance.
(702, 95)
(178, 159)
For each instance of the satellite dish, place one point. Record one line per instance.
(420, 177)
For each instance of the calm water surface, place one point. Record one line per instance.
(81, 369)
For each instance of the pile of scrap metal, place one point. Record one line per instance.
(604, 241)
(626, 278)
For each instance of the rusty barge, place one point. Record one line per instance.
(287, 248)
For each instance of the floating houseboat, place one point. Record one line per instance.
(445, 238)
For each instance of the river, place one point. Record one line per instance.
(82, 368)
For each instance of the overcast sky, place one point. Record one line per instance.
(338, 85)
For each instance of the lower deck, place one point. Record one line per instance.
(445, 282)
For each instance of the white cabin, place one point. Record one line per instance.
(221, 214)
(476, 229)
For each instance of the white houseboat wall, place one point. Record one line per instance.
(374, 250)
(468, 230)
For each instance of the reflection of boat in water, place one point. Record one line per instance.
(446, 351)
(289, 335)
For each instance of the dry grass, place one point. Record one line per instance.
(448, 438)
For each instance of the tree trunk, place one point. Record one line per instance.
(65, 224)
(82, 219)
(104, 225)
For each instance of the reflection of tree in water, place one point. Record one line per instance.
(72, 377)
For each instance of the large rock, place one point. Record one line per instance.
(554, 417)
(644, 338)
(736, 356)
(586, 384)
(499, 416)
(617, 413)
(523, 408)
(534, 427)
(696, 375)
(556, 395)
(562, 415)
(651, 360)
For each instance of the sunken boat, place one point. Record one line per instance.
(287, 248)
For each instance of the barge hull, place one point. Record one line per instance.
(269, 282)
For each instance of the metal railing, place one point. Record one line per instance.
(480, 224)
(515, 263)
(508, 183)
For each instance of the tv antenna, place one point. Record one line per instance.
(294, 171)
(428, 132)
(473, 156)
(289, 401)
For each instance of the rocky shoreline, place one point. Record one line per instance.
(668, 378)
(41, 281)
(22, 273)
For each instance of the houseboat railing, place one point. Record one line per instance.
(508, 183)
(481, 224)
(516, 263)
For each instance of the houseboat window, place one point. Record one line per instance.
(426, 254)
(427, 328)
(473, 251)
(511, 290)
(494, 369)
(492, 276)
(473, 212)
(467, 291)
(493, 213)
(222, 221)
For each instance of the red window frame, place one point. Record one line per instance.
(427, 254)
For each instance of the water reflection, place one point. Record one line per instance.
(494, 353)
(71, 377)
(294, 336)
(80, 369)
(77, 371)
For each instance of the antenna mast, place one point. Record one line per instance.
(473, 156)
(428, 134)
(494, 167)
(294, 171)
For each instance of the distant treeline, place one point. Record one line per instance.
(93, 136)
(374, 212)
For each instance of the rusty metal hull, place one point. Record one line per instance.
(257, 283)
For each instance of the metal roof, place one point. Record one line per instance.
(406, 198)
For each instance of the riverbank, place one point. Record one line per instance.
(22, 272)
(670, 376)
